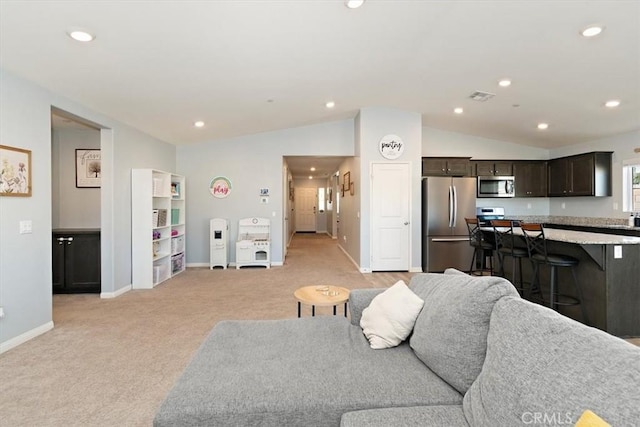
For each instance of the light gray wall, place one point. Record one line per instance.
(600, 207)
(25, 260)
(72, 207)
(440, 143)
(375, 123)
(250, 162)
(349, 226)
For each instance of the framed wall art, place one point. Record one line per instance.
(88, 168)
(15, 172)
(347, 181)
(220, 187)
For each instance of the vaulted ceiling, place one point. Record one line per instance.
(245, 67)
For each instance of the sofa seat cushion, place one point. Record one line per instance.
(416, 416)
(450, 333)
(305, 371)
(543, 366)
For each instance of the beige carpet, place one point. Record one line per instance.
(111, 362)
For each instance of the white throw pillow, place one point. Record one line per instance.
(390, 317)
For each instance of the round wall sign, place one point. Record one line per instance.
(220, 187)
(391, 147)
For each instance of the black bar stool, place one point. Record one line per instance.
(481, 247)
(537, 248)
(506, 246)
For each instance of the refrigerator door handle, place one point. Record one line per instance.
(450, 239)
(450, 206)
(455, 207)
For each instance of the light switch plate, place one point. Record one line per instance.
(26, 227)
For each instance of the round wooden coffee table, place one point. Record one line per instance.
(322, 296)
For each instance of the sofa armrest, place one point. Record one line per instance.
(359, 299)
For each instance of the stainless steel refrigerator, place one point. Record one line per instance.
(446, 202)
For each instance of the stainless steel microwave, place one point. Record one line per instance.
(496, 186)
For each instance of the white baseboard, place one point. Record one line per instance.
(231, 264)
(115, 294)
(349, 256)
(415, 270)
(23, 338)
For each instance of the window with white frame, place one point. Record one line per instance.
(631, 185)
(321, 199)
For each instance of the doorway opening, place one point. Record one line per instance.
(311, 186)
(76, 204)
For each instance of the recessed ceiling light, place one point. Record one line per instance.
(353, 4)
(612, 103)
(543, 126)
(592, 31)
(330, 104)
(458, 110)
(312, 169)
(199, 124)
(81, 36)
(504, 83)
(310, 177)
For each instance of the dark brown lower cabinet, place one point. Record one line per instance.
(76, 261)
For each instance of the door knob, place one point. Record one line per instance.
(406, 223)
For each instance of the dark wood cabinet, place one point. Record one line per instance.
(76, 261)
(530, 178)
(586, 174)
(492, 167)
(446, 166)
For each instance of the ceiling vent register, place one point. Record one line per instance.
(481, 96)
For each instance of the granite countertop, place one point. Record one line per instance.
(578, 221)
(586, 238)
(580, 237)
(76, 230)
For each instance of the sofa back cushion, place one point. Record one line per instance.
(450, 333)
(542, 367)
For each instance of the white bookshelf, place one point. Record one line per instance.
(158, 226)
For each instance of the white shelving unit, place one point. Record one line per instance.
(158, 226)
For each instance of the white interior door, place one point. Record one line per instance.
(305, 202)
(390, 213)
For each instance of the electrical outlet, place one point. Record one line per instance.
(564, 205)
(528, 205)
(617, 252)
(1, 312)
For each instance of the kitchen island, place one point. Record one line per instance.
(608, 273)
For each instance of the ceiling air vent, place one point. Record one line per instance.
(481, 96)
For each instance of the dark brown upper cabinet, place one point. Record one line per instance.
(587, 174)
(530, 178)
(492, 167)
(446, 166)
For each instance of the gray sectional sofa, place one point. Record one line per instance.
(479, 355)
